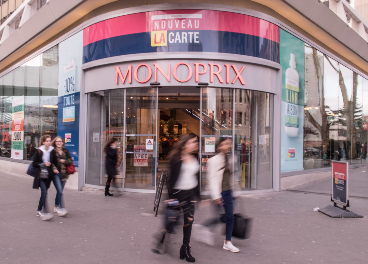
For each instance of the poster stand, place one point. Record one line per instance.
(337, 212)
(340, 194)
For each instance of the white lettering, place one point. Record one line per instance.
(196, 40)
(177, 38)
(184, 36)
(195, 23)
(169, 25)
(171, 37)
(163, 24)
(177, 23)
(156, 25)
(182, 24)
(190, 24)
(190, 37)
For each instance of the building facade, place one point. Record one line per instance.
(287, 91)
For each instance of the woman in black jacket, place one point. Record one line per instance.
(111, 163)
(41, 162)
(182, 186)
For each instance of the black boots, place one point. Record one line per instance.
(107, 191)
(185, 253)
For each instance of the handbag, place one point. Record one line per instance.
(44, 174)
(31, 170)
(242, 227)
(70, 168)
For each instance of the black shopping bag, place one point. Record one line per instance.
(242, 226)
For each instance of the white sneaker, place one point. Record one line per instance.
(203, 234)
(46, 216)
(61, 211)
(38, 213)
(55, 209)
(229, 246)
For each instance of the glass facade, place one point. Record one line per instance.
(335, 123)
(148, 121)
(29, 105)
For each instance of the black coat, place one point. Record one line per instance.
(111, 161)
(175, 166)
(37, 160)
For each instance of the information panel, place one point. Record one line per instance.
(340, 171)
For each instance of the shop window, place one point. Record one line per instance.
(28, 105)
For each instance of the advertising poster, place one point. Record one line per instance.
(140, 159)
(292, 109)
(340, 182)
(209, 144)
(69, 93)
(17, 145)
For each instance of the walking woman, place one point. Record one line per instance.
(111, 163)
(182, 187)
(60, 158)
(221, 185)
(43, 175)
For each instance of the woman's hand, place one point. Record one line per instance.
(56, 171)
(48, 164)
(62, 161)
(219, 201)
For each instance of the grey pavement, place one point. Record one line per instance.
(102, 229)
(358, 184)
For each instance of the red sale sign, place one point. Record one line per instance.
(340, 172)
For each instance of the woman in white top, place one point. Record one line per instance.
(182, 186)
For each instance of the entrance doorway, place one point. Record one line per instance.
(179, 113)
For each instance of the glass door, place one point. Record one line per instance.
(217, 121)
(140, 138)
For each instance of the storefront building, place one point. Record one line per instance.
(148, 74)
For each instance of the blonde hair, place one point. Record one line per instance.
(53, 143)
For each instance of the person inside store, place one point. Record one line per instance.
(43, 175)
(31, 151)
(60, 158)
(182, 186)
(111, 164)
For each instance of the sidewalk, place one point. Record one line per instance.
(102, 229)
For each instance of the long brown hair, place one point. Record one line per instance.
(43, 139)
(177, 149)
(53, 143)
(108, 143)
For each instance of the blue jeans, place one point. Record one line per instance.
(227, 196)
(59, 186)
(42, 203)
(228, 217)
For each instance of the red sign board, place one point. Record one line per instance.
(340, 172)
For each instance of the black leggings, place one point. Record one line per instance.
(108, 182)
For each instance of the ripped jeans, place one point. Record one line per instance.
(186, 207)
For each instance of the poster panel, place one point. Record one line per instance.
(340, 172)
(292, 107)
(209, 144)
(70, 56)
(140, 159)
(17, 134)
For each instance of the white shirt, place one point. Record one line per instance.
(187, 179)
(46, 153)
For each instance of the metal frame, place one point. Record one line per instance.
(347, 184)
